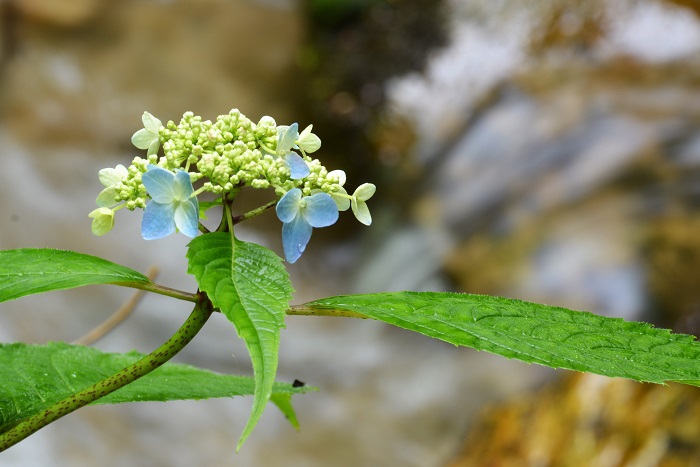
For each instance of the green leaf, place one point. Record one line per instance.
(284, 403)
(29, 271)
(250, 286)
(204, 206)
(534, 333)
(35, 377)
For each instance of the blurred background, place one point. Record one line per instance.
(547, 150)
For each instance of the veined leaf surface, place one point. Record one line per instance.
(27, 271)
(547, 335)
(35, 377)
(250, 286)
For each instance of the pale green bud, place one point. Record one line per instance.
(102, 221)
(358, 202)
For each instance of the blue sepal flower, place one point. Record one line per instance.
(300, 214)
(172, 205)
(286, 140)
(297, 167)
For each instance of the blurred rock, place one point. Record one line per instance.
(589, 420)
(88, 86)
(547, 142)
(66, 14)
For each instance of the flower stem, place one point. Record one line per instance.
(202, 228)
(162, 354)
(267, 148)
(254, 212)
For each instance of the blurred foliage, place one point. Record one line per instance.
(354, 47)
(673, 257)
(692, 5)
(576, 26)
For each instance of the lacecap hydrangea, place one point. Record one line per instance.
(221, 158)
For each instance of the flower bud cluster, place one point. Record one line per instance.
(230, 153)
(226, 155)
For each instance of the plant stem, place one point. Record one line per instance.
(254, 212)
(162, 354)
(161, 289)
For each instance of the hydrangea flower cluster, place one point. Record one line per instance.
(223, 157)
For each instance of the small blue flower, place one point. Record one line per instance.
(299, 215)
(172, 204)
(286, 140)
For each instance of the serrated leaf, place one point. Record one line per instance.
(250, 286)
(36, 376)
(534, 333)
(29, 271)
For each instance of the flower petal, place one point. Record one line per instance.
(287, 139)
(320, 210)
(187, 217)
(153, 147)
(159, 183)
(297, 166)
(106, 198)
(361, 211)
(158, 220)
(365, 191)
(340, 199)
(112, 176)
(182, 186)
(295, 236)
(142, 139)
(288, 206)
(151, 123)
(308, 141)
(339, 174)
(306, 132)
(102, 221)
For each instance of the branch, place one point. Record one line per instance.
(150, 362)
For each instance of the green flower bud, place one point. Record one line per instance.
(102, 221)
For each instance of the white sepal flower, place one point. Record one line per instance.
(341, 198)
(110, 178)
(358, 202)
(147, 137)
(286, 137)
(308, 141)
